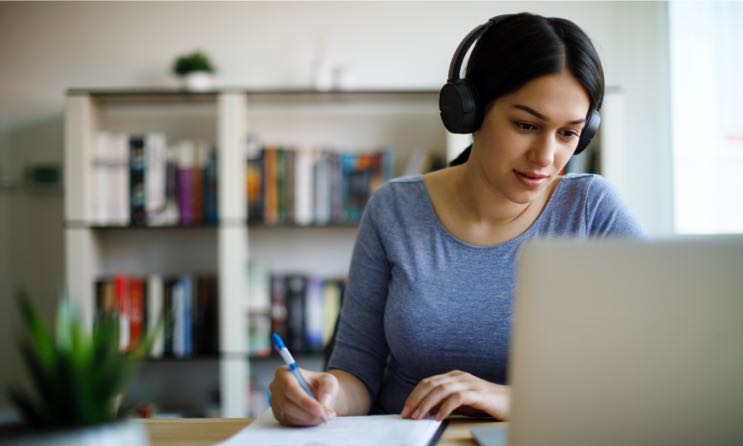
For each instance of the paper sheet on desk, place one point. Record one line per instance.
(389, 430)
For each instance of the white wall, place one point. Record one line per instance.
(46, 48)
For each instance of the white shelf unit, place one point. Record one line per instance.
(93, 252)
(343, 120)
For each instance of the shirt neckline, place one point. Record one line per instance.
(441, 228)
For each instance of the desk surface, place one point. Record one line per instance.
(207, 431)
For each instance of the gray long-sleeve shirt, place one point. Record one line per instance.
(419, 302)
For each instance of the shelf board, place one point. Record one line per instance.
(178, 96)
(254, 225)
(176, 92)
(84, 225)
(258, 225)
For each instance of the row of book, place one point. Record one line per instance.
(301, 308)
(186, 305)
(138, 179)
(305, 186)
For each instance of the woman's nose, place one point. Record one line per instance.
(542, 152)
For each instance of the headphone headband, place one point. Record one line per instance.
(455, 67)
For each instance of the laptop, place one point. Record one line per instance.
(627, 343)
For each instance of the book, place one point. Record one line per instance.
(279, 309)
(271, 187)
(155, 313)
(255, 190)
(314, 317)
(211, 203)
(137, 205)
(185, 180)
(296, 313)
(137, 311)
(303, 186)
(121, 295)
(155, 175)
(332, 290)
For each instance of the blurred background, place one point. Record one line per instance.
(671, 141)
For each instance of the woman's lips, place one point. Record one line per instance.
(531, 179)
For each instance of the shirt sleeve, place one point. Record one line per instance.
(607, 216)
(360, 345)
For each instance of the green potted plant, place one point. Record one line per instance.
(77, 382)
(195, 70)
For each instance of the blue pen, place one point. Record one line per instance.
(292, 364)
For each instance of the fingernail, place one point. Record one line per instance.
(415, 414)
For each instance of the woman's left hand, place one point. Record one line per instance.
(440, 395)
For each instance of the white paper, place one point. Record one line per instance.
(389, 430)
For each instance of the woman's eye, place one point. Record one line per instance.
(570, 134)
(521, 125)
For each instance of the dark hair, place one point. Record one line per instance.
(525, 46)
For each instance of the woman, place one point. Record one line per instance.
(425, 324)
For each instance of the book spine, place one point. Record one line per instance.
(295, 301)
(331, 308)
(154, 314)
(336, 188)
(271, 211)
(179, 345)
(197, 175)
(188, 298)
(303, 187)
(120, 206)
(137, 203)
(185, 183)
(290, 156)
(137, 313)
(255, 188)
(314, 314)
(210, 188)
(282, 181)
(278, 306)
(155, 176)
(323, 188)
(169, 314)
(211, 316)
(121, 291)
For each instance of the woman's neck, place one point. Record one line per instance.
(480, 202)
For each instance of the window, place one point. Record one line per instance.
(707, 116)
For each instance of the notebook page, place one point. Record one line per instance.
(389, 430)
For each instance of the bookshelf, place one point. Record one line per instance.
(354, 121)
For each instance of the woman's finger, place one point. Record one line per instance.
(295, 393)
(437, 394)
(421, 390)
(450, 404)
(295, 415)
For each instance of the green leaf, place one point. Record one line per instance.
(77, 377)
(43, 343)
(28, 409)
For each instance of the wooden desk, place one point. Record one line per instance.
(207, 431)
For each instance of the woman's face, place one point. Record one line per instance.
(528, 136)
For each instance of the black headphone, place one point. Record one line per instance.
(459, 103)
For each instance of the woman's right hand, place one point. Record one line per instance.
(293, 407)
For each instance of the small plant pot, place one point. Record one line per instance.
(128, 432)
(197, 81)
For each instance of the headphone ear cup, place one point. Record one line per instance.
(460, 111)
(589, 131)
